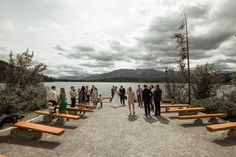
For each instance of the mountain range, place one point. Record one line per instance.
(135, 75)
(123, 75)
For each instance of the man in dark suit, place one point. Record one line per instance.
(147, 99)
(157, 98)
(122, 95)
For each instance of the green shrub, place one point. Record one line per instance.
(225, 104)
(23, 91)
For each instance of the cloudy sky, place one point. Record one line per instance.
(75, 37)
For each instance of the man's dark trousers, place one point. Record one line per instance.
(73, 101)
(122, 99)
(147, 107)
(157, 108)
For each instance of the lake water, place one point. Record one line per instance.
(104, 88)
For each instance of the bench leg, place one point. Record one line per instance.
(232, 133)
(198, 122)
(72, 112)
(47, 119)
(25, 134)
(213, 120)
(61, 121)
(187, 113)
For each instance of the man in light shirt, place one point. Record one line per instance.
(73, 96)
(52, 97)
(139, 92)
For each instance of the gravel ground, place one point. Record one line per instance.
(111, 132)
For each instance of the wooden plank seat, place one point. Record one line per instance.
(167, 106)
(39, 128)
(231, 126)
(58, 115)
(49, 116)
(78, 109)
(199, 117)
(187, 111)
(84, 106)
(2, 155)
(33, 131)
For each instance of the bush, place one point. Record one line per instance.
(225, 104)
(204, 81)
(23, 91)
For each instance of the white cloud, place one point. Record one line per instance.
(92, 37)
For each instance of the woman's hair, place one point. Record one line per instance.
(130, 88)
(63, 92)
(83, 88)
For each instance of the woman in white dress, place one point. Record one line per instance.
(116, 99)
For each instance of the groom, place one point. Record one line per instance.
(122, 95)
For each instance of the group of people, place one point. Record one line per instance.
(83, 95)
(149, 96)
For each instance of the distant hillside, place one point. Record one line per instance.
(129, 73)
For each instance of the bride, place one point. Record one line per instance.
(116, 99)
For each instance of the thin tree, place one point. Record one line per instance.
(182, 41)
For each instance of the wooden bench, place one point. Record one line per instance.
(231, 126)
(2, 155)
(167, 100)
(167, 106)
(78, 109)
(34, 130)
(84, 106)
(75, 110)
(48, 116)
(90, 107)
(187, 111)
(199, 117)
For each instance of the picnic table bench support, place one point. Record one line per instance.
(198, 121)
(72, 112)
(232, 133)
(213, 120)
(184, 113)
(25, 133)
(47, 118)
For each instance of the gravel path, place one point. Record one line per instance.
(111, 132)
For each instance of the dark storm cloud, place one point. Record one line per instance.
(167, 60)
(98, 64)
(84, 48)
(197, 11)
(199, 54)
(59, 48)
(212, 39)
(227, 60)
(215, 24)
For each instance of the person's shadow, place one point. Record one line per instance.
(132, 118)
(163, 120)
(150, 119)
